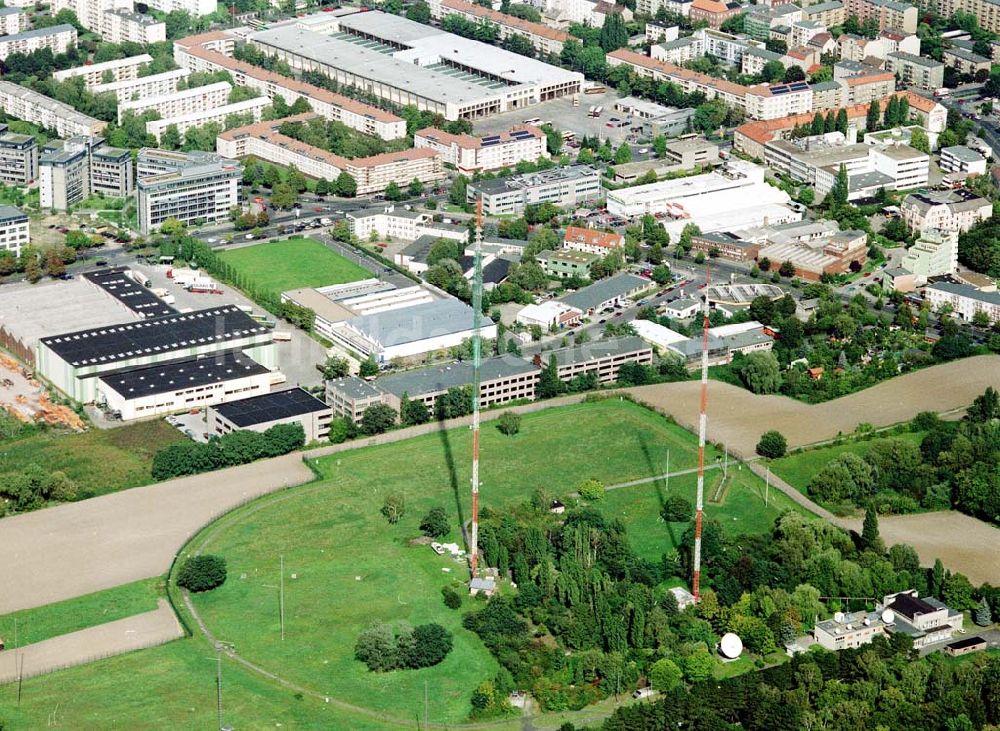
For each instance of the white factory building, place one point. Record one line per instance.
(731, 197)
(405, 62)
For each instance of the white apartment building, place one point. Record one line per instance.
(200, 53)
(180, 103)
(848, 630)
(18, 158)
(194, 7)
(121, 69)
(58, 38)
(965, 301)
(387, 220)
(491, 152)
(961, 159)
(14, 233)
(90, 13)
(143, 87)
(934, 254)
(200, 193)
(907, 166)
(23, 103)
(127, 26)
(372, 174)
(946, 210)
(12, 21)
(253, 107)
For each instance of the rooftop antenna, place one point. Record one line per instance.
(702, 428)
(477, 350)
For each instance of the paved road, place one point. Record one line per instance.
(78, 648)
(79, 548)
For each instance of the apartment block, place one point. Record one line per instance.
(888, 13)
(966, 62)
(121, 69)
(987, 12)
(207, 52)
(965, 301)
(918, 71)
(14, 230)
(934, 254)
(828, 13)
(12, 21)
(199, 193)
(23, 103)
(72, 170)
(180, 103)
(196, 8)
(58, 38)
(111, 172)
(491, 152)
(18, 158)
(253, 108)
(143, 87)
(123, 25)
(372, 174)
(946, 210)
(962, 159)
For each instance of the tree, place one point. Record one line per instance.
(623, 154)
(614, 34)
(982, 615)
(378, 418)
(773, 71)
(549, 384)
(202, 573)
(676, 509)
(919, 141)
(699, 665)
(817, 124)
(874, 116)
(870, 539)
(661, 274)
(419, 12)
(392, 192)
(346, 186)
(794, 73)
(452, 599)
(787, 269)
(956, 592)
(416, 188)
(591, 489)
(393, 507)
(435, 523)
(283, 196)
(760, 372)
(369, 367)
(985, 407)
(772, 444)
(664, 675)
(335, 368)
(413, 412)
(457, 192)
(509, 423)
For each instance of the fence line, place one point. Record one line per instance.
(50, 668)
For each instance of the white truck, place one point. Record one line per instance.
(138, 277)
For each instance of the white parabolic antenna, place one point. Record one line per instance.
(731, 645)
(888, 616)
(838, 617)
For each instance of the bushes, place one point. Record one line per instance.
(382, 649)
(509, 423)
(435, 523)
(235, 448)
(676, 509)
(452, 598)
(393, 507)
(202, 573)
(772, 444)
(592, 490)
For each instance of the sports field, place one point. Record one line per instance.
(291, 264)
(345, 566)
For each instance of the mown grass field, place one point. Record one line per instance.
(41, 623)
(291, 264)
(98, 461)
(798, 469)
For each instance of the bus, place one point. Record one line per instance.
(568, 137)
(595, 90)
(534, 121)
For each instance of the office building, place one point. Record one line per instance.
(57, 38)
(372, 174)
(121, 69)
(946, 210)
(73, 361)
(566, 263)
(22, 103)
(350, 396)
(260, 413)
(111, 172)
(14, 230)
(607, 293)
(725, 244)
(207, 52)
(965, 301)
(564, 187)
(848, 630)
(181, 385)
(491, 152)
(72, 170)
(918, 71)
(179, 103)
(925, 620)
(18, 158)
(961, 159)
(602, 359)
(143, 87)
(934, 254)
(250, 109)
(405, 62)
(153, 161)
(199, 193)
(887, 13)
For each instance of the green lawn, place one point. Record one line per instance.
(292, 264)
(41, 623)
(351, 567)
(798, 469)
(98, 461)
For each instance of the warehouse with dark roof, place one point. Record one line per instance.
(260, 413)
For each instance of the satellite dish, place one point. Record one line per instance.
(868, 622)
(838, 617)
(731, 646)
(888, 616)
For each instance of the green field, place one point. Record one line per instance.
(41, 623)
(98, 461)
(798, 469)
(291, 264)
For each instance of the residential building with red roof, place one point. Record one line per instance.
(714, 12)
(491, 152)
(591, 241)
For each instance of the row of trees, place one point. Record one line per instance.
(382, 647)
(234, 448)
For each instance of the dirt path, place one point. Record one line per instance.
(79, 548)
(737, 417)
(77, 648)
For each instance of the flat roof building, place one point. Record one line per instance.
(606, 293)
(57, 38)
(18, 158)
(178, 103)
(564, 187)
(23, 103)
(965, 301)
(260, 413)
(246, 109)
(962, 159)
(120, 69)
(601, 358)
(14, 230)
(201, 192)
(405, 62)
(143, 87)
(119, 283)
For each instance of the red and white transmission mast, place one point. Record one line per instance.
(702, 429)
(477, 356)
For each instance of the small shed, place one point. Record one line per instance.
(557, 507)
(486, 586)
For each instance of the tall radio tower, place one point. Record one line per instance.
(702, 428)
(477, 356)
